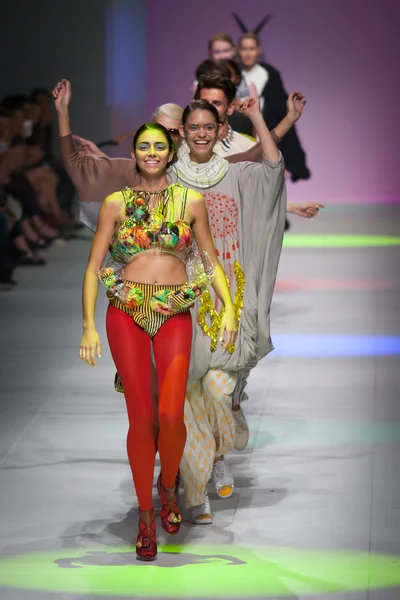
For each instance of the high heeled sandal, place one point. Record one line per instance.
(146, 544)
(169, 513)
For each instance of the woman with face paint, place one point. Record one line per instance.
(152, 280)
(241, 198)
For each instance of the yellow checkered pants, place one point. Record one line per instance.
(210, 430)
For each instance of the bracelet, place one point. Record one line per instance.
(275, 137)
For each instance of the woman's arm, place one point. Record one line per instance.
(251, 107)
(94, 177)
(86, 171)
(89, 148)
(108, 217)
(295, 104)
(203, 237)
(253, 154)
(309, 210)
(62, 96)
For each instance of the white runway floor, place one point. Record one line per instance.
(316, 509)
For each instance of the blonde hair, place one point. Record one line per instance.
(170, 110)
(220, 37)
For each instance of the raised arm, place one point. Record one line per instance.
(254, 154)
(62, 97)
(83, 169)
(108, 217)
(295, 104)
(94, 177)
(203, 237)
(89, 148)
(251, 108)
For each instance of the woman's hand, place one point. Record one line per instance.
(90, 346)
(62, 95)
(229, 328)
(295, 104)
(89, 148)
(308, 210)
(250, 106)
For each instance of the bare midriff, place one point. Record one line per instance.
(157, 268)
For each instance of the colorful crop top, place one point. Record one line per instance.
(152, 227)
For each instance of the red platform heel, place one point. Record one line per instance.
(169, 513)
(146, 544)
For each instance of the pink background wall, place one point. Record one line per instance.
(343, 54)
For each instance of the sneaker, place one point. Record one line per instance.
(242, 429)
(222, 479)
(202, 515)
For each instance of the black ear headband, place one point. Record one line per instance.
(256, 29)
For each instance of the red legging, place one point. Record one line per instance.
(131, 350)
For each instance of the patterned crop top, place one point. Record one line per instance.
(150, 225)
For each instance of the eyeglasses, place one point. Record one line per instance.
(174, 132)
(208, 128)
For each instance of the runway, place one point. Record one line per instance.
(316, 508)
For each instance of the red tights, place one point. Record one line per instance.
(131, 350)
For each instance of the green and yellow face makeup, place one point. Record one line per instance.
(152, 152)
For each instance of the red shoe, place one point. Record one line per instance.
(169, 513)
(146, 544)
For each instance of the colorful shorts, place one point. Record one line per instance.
(151, 305)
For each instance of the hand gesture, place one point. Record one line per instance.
(295, 104)
(62, 95)
(229, 328)
(88, 147)
(308, 210)
(250, 106)
(89, 347)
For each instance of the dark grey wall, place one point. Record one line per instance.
(45, 40)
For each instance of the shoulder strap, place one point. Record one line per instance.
(184, 197)
(126, 194)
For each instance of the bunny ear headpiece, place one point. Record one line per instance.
(256, 29)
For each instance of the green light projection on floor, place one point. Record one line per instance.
(208, 571)
(270, 430)
(339, 241)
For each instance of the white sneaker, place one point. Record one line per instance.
(242, 429)
(222, 479)
(202, 515)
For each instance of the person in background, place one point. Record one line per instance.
(237, 120)
(207, 68)
(169, 115)
(273, 98)
(221, 46)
